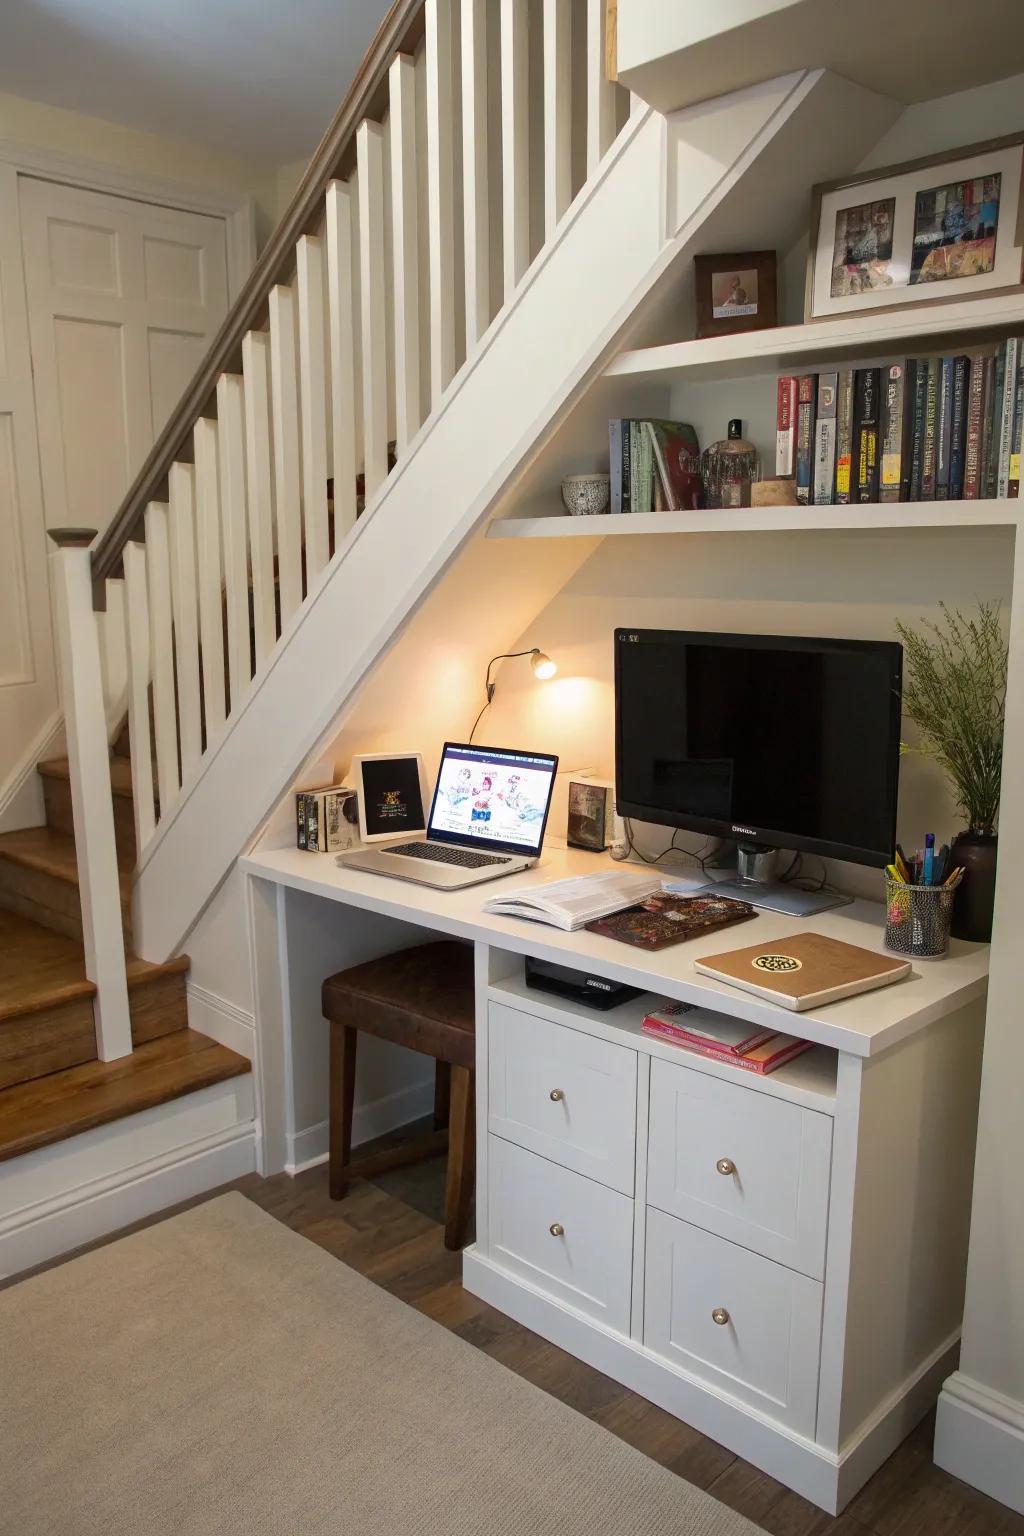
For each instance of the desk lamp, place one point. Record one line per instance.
(543, 668)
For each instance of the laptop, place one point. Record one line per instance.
(487, 819)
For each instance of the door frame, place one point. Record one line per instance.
(237, 210)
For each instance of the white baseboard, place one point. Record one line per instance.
(979, 1437)
(21, 795)
(309, 1147)
(222, 1020)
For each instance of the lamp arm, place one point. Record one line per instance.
(489, 686)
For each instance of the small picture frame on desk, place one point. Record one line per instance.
(393, 795)
(736, 292)
(589, 819)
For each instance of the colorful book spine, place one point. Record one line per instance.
(762, 1059)
(844, 436)
(785, 425)
(975, 425)
(615, 465)
(944, 429)
(931, 423)
(897, 411)
(919, 409)
(993, 416)
(866, 425)
(1011, 359)
(300, 821)
(958, 427)
(825, 440)
(806, 395)
(1018, 426)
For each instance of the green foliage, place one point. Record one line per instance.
(954, 690)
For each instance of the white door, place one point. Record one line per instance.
(124, 298)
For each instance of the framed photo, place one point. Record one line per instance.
(588, 815)
(948, 227)
(392, 794)
(736, 292)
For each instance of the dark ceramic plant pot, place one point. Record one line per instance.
(975, 853)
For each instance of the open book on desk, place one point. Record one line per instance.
(571, 904)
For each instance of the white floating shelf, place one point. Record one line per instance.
(785, 348)
(995, 513)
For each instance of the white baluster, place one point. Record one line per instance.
(260, 489)
(600, 90)
(475, 211)
(92, 808)
(181, 528)
(405, 250)
(557, 112)
(309, 258)
(113, 655)
(233, 519)
(284, 381)
(343, 403)
(211, 615)
(161, 651)
(440, 209)
(370, 159)
(515, 142)
(136, 599)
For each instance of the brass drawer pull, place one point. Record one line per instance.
(556, 1229)
(720, 1316)
(556, 1095)
(726, 1165)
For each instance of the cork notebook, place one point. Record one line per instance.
(804, 971)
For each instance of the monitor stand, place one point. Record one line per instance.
(774, 896)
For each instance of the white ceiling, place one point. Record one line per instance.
(258, 78)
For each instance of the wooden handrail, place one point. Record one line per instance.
(400, 32)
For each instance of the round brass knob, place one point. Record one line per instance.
(726, 1165)
(720, 1316)
(556, 1229)
(556, 1095)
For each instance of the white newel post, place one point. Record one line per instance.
(92, 806)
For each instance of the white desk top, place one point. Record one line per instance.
(863, 1025)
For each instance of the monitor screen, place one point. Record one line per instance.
(789, 742)
(492, 797)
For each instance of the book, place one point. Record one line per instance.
(990, 429)
(715, 1032)
(619, 470)
(1018, 427)
(865, 435)
(931, 420)
(675, 455)
(897, 410)
(326, 820)
(825, 440)
(785, 426)
(660, 920)
(844, 435)
(572, 904)
(975, 429)
(958, 428)
(1011, 359)
(807, 970)
(804, 470)
(944, 429)
(767, 1057)
(917, 427)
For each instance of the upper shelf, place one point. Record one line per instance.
(994, 513)
(784, 348)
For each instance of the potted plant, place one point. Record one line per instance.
(954, 690)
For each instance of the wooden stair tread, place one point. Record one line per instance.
(40, 969)
(120, 773)
(54, 854)
(50, 1109)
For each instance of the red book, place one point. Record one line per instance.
(785, 425)
(764, 1058)
(713, 1032)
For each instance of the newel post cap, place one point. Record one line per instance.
(72, 538)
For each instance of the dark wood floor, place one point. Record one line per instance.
(390, 1231)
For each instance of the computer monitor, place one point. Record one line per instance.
(776, 741)
(492, 798)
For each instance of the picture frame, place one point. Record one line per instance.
(736, 291)
(935, 230)
(393, 797)
(588, 815)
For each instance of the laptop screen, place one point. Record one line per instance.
(486, 797)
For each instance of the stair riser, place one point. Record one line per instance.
(159, 1008)
(46, 899)
(57, 800)
(39, 1043)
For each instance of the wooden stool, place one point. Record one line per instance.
(421, 998)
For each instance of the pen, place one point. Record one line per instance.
(929, 858)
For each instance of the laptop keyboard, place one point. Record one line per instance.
(440, 853)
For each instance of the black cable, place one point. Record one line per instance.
(489, 687)
(672, 847)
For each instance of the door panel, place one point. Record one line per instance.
(90, 367)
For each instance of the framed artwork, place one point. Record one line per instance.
(736, 292)
(588, 815)
(948, 227)
(392, 794)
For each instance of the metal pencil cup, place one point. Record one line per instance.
(917, 919)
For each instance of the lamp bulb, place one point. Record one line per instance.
(543, 666)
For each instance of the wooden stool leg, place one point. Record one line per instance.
(342, 1089)
(442, 1094)
(458, 1192)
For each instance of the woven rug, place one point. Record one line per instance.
(220, 1374)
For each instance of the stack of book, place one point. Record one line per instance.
(728, 1040)
(654, 466)
(920, 429)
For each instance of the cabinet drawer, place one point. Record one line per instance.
(765, 1345)
(561, 1232)
(563, 1094)
(735, 1160)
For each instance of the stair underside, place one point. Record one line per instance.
(63, 1104)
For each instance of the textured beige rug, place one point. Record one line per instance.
(220, 1374)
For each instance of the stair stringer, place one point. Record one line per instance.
(658, 185)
